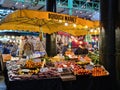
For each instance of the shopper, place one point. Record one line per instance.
(81, 50)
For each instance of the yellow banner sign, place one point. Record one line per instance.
(62, 17)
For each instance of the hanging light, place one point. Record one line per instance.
(86, 27)
(74, 25)
(16, 3)
(81, 42)
(95, 31)
(91, 30)
(98, 29)
(23, 5)
(13, 37)
(60, 21)
(66, 24)
(8, 37)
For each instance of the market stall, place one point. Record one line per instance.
(46, 70)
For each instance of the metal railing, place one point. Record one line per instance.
(86, 5)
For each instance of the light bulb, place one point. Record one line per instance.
(66, 24)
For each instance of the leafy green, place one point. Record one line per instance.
(94, 57)
(67, 57)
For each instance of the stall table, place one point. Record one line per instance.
(40, 84)
(78, 82)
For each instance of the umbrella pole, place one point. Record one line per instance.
(42, 39)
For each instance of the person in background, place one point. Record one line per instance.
(90, 48)
(1, 46)
(5, 49)
(64, 48)
(81, 50)
(69, 52)
(59, 46)
(28, 49)
(96, 49)
(14, 49)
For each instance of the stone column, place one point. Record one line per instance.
(118, 42)
(50, 43)
(110, 40)
(108, 36)
(51, 5)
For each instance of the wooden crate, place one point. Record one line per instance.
(6, 57)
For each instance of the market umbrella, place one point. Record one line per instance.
(47, 22)
(30, 25)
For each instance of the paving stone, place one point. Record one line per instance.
(2, 83)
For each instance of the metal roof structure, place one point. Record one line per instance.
(88, 9)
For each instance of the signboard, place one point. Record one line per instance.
(62, 17)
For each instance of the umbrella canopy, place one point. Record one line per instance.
(30, 25)
(47, 22)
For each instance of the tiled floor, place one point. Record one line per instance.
(2, 83)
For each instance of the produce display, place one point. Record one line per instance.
(94, 57)
(50, 73)
(30, 70)
(81, 71)
(82, 63)
(47, 67)
(99, 71)
(32, 64)
(64, 64)
(6, 57)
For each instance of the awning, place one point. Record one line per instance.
(47, 22)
